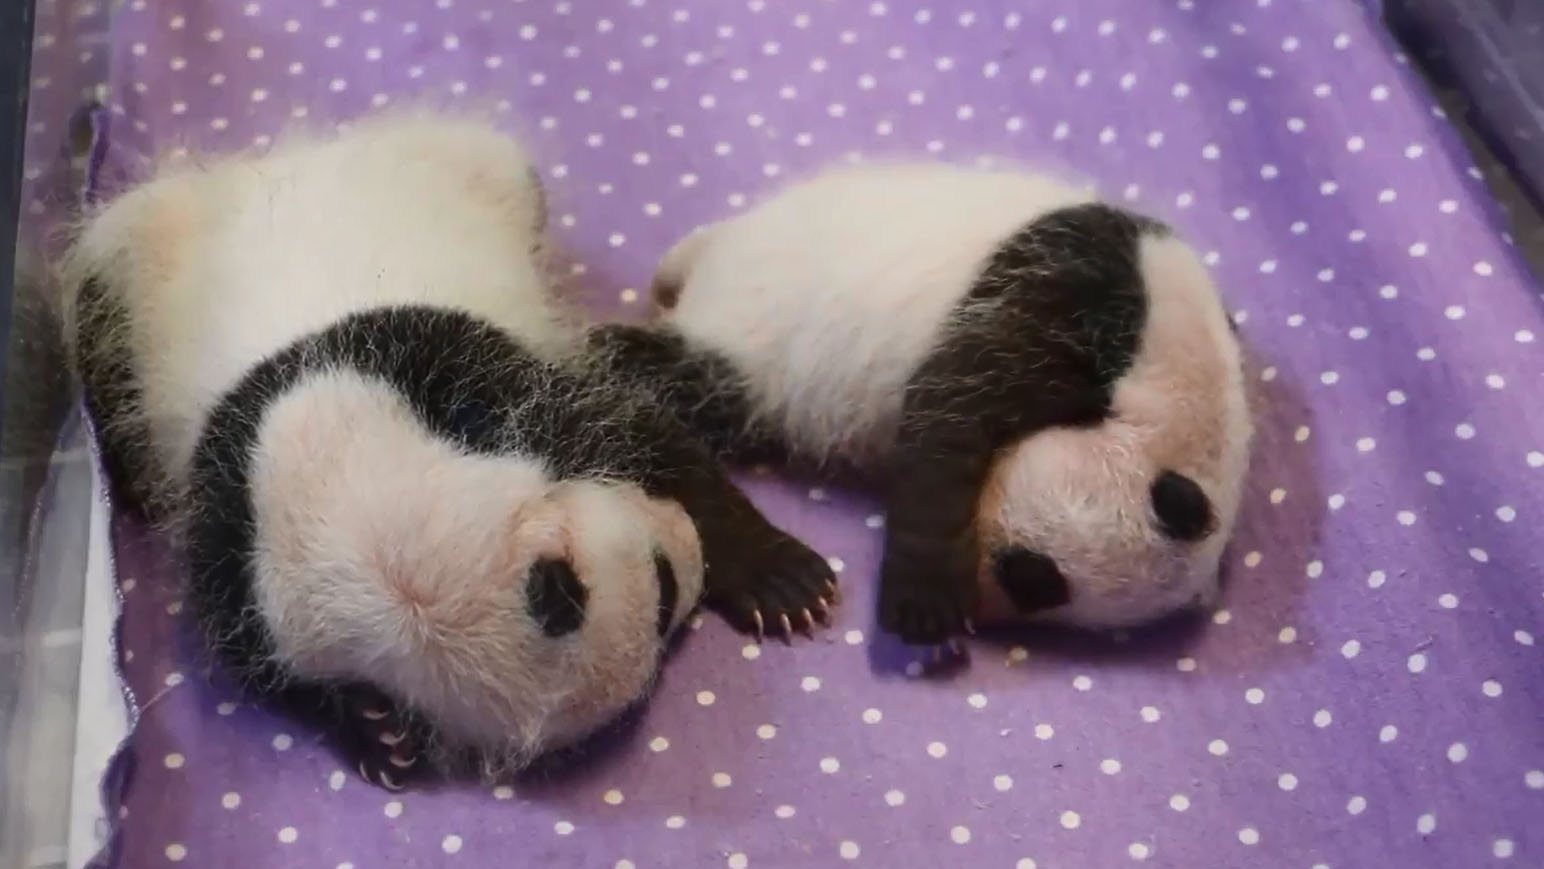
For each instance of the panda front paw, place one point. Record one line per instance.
(924, 604)
(771, 584)
(383, 741)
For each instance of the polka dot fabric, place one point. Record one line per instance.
(1369, 692)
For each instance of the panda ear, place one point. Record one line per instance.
(555, 597)
(1184, 512)
(1030, 579)
(669, 591)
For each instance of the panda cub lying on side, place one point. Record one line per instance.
(1051, 382)
(409, 505)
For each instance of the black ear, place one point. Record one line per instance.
(1031, 580)
(669, 591)
(555, 597)
(1184, 512)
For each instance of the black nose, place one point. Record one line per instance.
(1030, 579)
(555, 597)
(669, 592)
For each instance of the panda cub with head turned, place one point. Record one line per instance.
(1051, 382)
(409, 505)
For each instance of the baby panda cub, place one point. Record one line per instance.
(409, 505)
(1051, 382)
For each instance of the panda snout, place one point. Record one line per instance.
(669, 591)
(1030, 579)
(555, 597)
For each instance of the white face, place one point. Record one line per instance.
(1070, 515)
(418, 579)
(1096, 501)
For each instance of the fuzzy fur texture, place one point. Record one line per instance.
(806, 321)
(384, 550)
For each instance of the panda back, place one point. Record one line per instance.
(830, 294)
(221, 266)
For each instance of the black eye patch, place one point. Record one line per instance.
(1184, 512)
(1031, 580)
(669, 592)
(555, 597)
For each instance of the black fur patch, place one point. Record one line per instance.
(1184, 512)
(1054, 319)
(112, 397)
(700, 386)
(669, 591)
(1031, 580)
(555, 597)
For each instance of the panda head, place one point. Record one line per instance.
(512, 612)
(1125, 520)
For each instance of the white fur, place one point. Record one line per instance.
(827, 296)
(385, 554)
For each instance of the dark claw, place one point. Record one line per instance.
(373, 714)
(787, 627)
(809, 623)
(391, 739)
(761, 628)
(402, 762)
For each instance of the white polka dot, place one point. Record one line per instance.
(452, 844)
(503, 792)
(960, 835)
(1185, 665)
(1458, 752)
(894, 798)
(1395, 397)
(1418, 249)
(1336, 501)
(174, 761)
(563, 828)
(1356, 805)
(1249, 836)
(1447, 601)
(829, 765)
(1534, 779)
(1405, 517)
(810, 683)
(1523, 638)
(1502, 848)
(675, 822)
(1150, 714)
(1082, 683)
(283, 742)
(783, 812)
(1287, 781)
(1416, 663)
(1376, 579)
(1254, 696)
(1251, 559)
(1351, 648)
(1287, 635)
(1434, 478)
(392, 809)
(1044, 731)
(1179, 803)
(1323, 718)
(1071, 820)
(1138, 851)
(1491, 688)
(1109, 766)
(1218, 747)
(750, 651)
(737, 861)
(937, 749)
(1535, 459)
(1002, 782)
(1464, 431)
(1426, 354)
(288, 835)
(1222, 617)
(336, 779)
(705, 698)
(849, 850)
(724, 780)
(176, 852)
(230, 800)
(1426, 824)
(977, 701)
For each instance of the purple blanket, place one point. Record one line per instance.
(1369, 695)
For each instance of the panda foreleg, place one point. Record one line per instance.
(700, 387)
